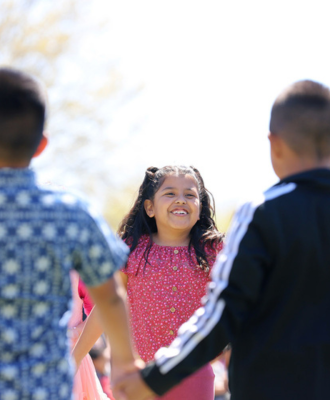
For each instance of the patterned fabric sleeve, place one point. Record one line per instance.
(99, 253)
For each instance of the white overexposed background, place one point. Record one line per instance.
(209, 71)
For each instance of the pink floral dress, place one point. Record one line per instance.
(162, 295)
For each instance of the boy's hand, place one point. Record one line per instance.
(131, 386)
(119, 370)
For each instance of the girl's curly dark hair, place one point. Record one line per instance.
(137, 223)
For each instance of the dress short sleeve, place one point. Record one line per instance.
(136, 259)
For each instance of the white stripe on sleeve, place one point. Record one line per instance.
(205, 318)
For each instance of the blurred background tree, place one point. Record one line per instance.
(56, 42)
(59, 43)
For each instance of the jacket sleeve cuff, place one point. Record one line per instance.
(158, 382)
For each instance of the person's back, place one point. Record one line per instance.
(285, 332)
(40, 236)
(282, 348)
(44, 234)
(287, 324)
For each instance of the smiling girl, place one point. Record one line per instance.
(174, 242)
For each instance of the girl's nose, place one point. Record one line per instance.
(180, 200)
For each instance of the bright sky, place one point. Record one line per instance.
(211, 70)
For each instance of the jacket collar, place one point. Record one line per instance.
(319, 177)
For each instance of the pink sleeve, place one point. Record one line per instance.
(85, 297)
(136, 259)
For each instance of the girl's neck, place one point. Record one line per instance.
(163, 239)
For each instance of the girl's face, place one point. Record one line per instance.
(176, 204)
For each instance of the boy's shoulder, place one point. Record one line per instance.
(297, 186)
(54, 197)
(277, 191)
(267, 197)
(264, 205)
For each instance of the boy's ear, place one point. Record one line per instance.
(149, 208)
(42, 145)
(275, 145)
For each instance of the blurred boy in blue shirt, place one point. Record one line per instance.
(44, 234)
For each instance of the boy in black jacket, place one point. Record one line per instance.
(270, 294)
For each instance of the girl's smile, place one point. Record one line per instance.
(176, 205)
(179, 212)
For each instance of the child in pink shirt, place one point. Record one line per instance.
(174, 243)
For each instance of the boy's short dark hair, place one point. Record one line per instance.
(22, 115)
(301, 116)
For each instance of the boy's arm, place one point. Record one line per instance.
(238, 277)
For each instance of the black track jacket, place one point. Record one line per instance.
(269, 297)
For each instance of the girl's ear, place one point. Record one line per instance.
(149, 208)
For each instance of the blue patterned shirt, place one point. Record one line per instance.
(43, 235)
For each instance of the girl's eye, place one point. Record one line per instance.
(190, 195)
(169, 194)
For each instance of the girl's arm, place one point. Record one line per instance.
(92, 328)
(111, 310)
(91, 331)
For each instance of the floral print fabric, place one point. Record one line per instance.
(164, 293)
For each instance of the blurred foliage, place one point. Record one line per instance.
(119, 204)
(58, 42)
(223, 219)
(33, 35)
